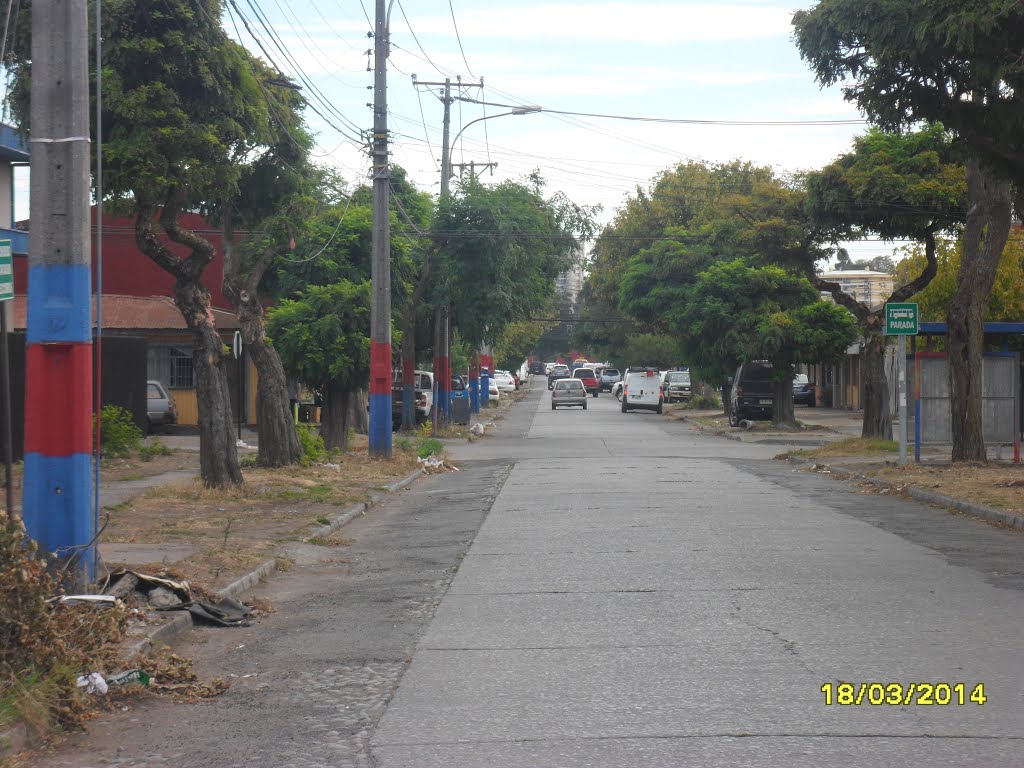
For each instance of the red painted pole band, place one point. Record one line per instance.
(58, 402)
(408, 371)
(380, 368)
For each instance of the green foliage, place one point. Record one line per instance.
(323, 336)
(654, 349)
(119, 435)
(893, 185)
(313, 449)
(703, 402)
(904, 62)
(1006, 302)
(515, 343)
(152, 449)
(499, 250)
(429, 446)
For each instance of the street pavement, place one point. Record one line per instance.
(595, 588)
(640, 595)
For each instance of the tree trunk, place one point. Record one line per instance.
(783, 412)
(359, 415)
(408, 370)
(218, 453)
(278, 439)
(877, 416)
(985, 235)
(334, 419)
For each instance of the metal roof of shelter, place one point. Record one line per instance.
(13, 147)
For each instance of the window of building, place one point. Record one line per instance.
(182, 372)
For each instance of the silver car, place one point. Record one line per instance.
(568, 392)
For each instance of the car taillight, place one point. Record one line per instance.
(739, 391)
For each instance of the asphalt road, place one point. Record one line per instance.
(605, 589)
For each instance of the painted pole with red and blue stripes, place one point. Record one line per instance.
(380, 267)
(474, 382)
(486, 369)
(57, 500)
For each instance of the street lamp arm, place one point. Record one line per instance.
(517, 111)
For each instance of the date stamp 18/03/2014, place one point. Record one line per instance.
(904, 694)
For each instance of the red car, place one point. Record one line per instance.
(590, 381)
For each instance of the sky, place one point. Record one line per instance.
(727, 60)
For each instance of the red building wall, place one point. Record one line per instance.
(128, 271)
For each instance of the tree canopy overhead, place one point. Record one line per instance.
(955, 62)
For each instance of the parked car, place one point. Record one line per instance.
(590, 381)
(161, 410)
(504, 380)
(751, 392)
(493, 392)
(803, 391)
(558, 371)
(642, 391)
(568, 392)
(677, 386)
(609, 378)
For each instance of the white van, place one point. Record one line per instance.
(642, 390)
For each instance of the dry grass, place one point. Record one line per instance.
(235, 529)
(993, 485)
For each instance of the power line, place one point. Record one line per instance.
(675, 120)
(459, 38)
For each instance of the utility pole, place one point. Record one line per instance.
(58, 356)
(442, 335)
(380, 270)
(472, 165)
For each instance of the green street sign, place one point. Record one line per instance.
(901, 320)
(6, 271)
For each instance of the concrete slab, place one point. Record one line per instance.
(136, 554)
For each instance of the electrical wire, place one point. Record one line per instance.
(459, 39)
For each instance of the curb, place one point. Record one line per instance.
(182, 622)
(976, 510)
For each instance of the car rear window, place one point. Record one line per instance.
(678, 377)
(153, 392)
(611, 371)
(569, 384)
(583, 373)
(757, 373)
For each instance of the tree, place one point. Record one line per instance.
(659, 350)
(1006, 302)
(273, 198)
(324, 338)
(181, 103)
(500, 249)
(738, 312)
(906, 61)
(894, 186)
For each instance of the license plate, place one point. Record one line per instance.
(764, 402)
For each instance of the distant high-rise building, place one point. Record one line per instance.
(570, 282)
(871, 288)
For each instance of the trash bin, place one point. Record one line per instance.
(460, 407)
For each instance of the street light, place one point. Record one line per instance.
(476, 392)
(446, 154)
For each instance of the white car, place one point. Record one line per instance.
(504, 381)
(493, 393)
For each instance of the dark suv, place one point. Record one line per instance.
(751, 393)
